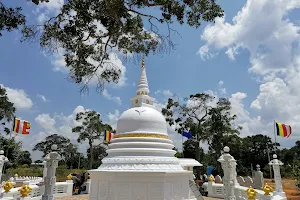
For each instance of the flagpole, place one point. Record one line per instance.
(274, 124)
(182, 144)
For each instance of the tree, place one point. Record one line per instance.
(72, 156)
(206, 122)
(24, 158)
(189, 147)
(256, 149)
(90, 31)
(7, 109)
(11, 149)
(61, 142)
(91, 129)
(99, 152)
(177, 154)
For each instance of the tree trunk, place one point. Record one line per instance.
(197, 148)
(92, 155)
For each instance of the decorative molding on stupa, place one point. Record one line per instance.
(141, 164)
(142, 97)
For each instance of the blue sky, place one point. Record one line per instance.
(251, 59)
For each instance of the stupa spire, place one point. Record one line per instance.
(142, 97)
(143, 88)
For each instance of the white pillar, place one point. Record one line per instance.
(258, 178)
(3, 160)
(45, 169)
(229, 168)
(275, 163)
(50, 180)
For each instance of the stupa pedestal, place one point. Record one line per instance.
(139, 186)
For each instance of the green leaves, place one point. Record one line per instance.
(61, 142)
(7, 110)
(90, 31)
(92, 129)
(205, 121)
(10, 18)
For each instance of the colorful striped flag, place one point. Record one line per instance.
(21, 126)
(283, 130)
(108, 136)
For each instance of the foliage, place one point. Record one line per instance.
(24, 158)
(61, 142)
(7, 109)
(11, 148)
(92, 128)
(178, 154)
(90, 31)
(295, 172)
(99, 152)
(10, 18)
(207, 122)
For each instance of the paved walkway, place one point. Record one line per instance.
(86, 197)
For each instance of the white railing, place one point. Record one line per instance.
(217, 190)
(60, 189)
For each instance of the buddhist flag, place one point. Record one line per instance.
(21, 126)
(108, 136)
(16, 125)
(26, 128)
(283, 130)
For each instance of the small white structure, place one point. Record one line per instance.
(140, 164)
(258, 178)
(52, 163)
(275, 163)
(3, 160)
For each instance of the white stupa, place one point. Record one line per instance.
(140, 164)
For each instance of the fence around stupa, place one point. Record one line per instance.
(60, 189)
(239, 188)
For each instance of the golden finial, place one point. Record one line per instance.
(211, 178)
(251, 193)
(143, 63)
(25, 190)
(69, 177)
(267, 189)
(7, 186)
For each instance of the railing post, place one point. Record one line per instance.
(50, 180)
(3, 160)
(258, 178)
(44, 169)
(275, 163)
(229, 167)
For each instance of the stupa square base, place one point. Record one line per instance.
(107, 185)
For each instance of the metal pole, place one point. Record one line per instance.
(79, 161)
(274, 124)
(182, 144)
(270, 167)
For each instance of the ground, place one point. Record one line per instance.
(86, 197)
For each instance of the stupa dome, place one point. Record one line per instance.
(141, 142)
(141, 121)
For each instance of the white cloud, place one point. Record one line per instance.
(46, 122)
(113, 118)
(110, 97)
(165, 93)
(42, 97)
(264, 29)
(19, 97)
(222, 89)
